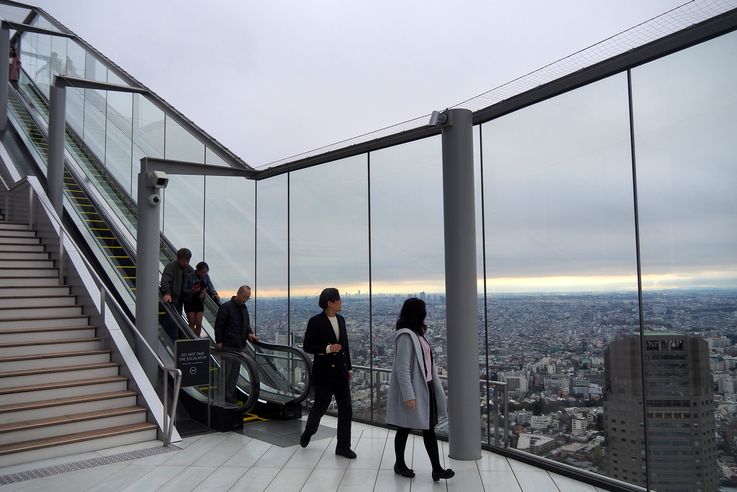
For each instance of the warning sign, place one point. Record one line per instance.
(193, 359)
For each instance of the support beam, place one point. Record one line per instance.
(147, 272)
(55, 170)
(460, 286)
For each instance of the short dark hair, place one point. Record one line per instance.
(330, 294)
(184, 253)
(413, 315)
(202, 266)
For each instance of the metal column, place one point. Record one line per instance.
(4, 75)
(55, 171)
(464, 411)
(147, 272)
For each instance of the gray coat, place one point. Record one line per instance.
(408, 383)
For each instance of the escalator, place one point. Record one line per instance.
(273, 378)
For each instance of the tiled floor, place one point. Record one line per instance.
(234, 462)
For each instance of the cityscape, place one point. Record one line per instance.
(551, 351)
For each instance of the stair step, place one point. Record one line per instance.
(20, 240)
(35, 301)
(52, 374)
(22, 254)
(61, 359)
(80, 442)
(30, 430)
(33, 291)
(10, 246)
(53, 321)
(61, 389)
(28, 272)
(29, 282)
(25, 263)
(11, 226)
(40, 347)
(66, 406)
(49, 333)
(8, 233)
(41, 310)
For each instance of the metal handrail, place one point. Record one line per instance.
(168, 421)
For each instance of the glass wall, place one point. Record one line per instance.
(407, 253)
(685, 121)
(272, 260)
(328, 247)
(561, 265)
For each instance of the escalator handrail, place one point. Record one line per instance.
(246, 360)
(301, 354)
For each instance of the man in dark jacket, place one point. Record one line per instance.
(327, 338)
(173, 279)
(232, 328)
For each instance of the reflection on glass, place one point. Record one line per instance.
(75, 59)
(328, 244)
(229, 232)
(685, 121)
(406, 248)
(183, 210)
(95, 109)
(271, 311)
(44, 68)
(561, 272)
(118, 137)
(181, 145)
(148, 135)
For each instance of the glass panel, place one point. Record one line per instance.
(94, 70)
(229, 233)
(406, 249)
(75, 110)
(148, 135)
(685, 108)
(328, 245)
(95, 109)
(561, 274)
(271, 311)
(58, 58)
(29, 54)
(118, 137)
(184, 208)
(75, 59)
(42, 75)
(114, 79)
(13, 14)
(181, 145)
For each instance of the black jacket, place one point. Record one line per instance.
(332, 367)
(232, 325)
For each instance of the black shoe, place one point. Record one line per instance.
(304, 439)
(404, 471)
(346, 453)
(445, 474)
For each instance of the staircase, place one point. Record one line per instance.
(60, 393)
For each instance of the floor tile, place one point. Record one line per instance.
(255, 480)
(566, 484)
(500, 481)
(370, 452)
(357, 480)
(223, 451)
(221, 479)
(536, 480)
(323, 480)
(248, 454)
(465, 481)
(388, 481)
(276, 457)
(188, 479)
(155, 479)
(120, 479)
(289, 480)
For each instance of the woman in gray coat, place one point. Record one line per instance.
(416, 398)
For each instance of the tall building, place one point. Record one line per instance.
(680, 417)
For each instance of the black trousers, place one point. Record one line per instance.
(323, 394)
(231, 369)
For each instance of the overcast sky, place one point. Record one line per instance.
(274, 79)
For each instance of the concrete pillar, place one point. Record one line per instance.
(4, 74)
(147, 272)
(55, 170)
(459, 209)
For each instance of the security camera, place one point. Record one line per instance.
(438, 118)
(157, 179)
(154, 199)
